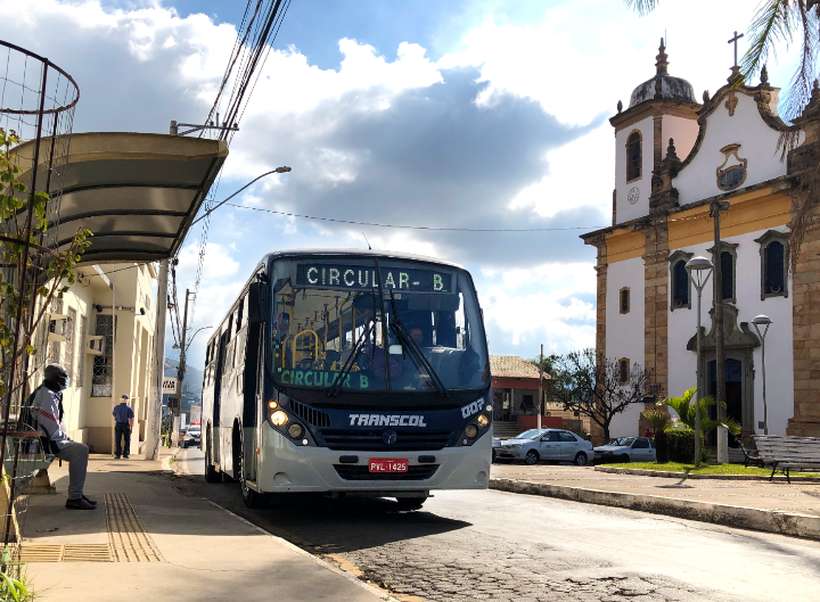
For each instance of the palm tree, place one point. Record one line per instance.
(777, 21)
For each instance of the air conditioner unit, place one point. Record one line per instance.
(94, 344)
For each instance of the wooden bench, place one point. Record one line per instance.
(786, 453)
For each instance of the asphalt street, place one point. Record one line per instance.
(492, 545)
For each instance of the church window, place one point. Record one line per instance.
(679, 280)
(774, 266)
(624, 300)
(623, 370)
(728, 269)
(727, 275)
(634, 156)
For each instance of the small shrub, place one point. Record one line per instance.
(680, 442)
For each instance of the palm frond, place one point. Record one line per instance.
(801, 84)
(642, 7)
(774, 21)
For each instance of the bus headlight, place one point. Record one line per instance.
(279, 418)
(295, 430)
(470, 431)
(483, 420)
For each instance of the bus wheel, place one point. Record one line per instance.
(211, 474)
(252, 498)
(410, 503)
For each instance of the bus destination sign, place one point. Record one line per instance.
(359, 277)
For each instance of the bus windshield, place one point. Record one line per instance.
(335, 329)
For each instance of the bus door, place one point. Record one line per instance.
(216, 437)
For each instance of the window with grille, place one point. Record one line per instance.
(68, 358)
(81, 360)
(680, 284)
(101, 380)
(634, 156)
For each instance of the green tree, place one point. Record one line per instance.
(777, 21)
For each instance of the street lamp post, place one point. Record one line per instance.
(763, 322)
(699, 269)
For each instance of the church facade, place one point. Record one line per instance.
(678, 159)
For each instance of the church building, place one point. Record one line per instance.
(676, 159)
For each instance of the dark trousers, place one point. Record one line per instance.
(121, 431)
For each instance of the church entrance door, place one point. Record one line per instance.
(734, 393)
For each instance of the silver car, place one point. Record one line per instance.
(626, 449)
(556, 445)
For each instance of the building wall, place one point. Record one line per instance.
(625, 332)
(683, 131)
(624, 210)
(779, 355)
(759, 145)
(88, 418)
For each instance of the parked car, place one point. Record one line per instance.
(496, 445)
(535, 445)
(192, 437)
(626, 449)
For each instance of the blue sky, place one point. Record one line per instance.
(465, 113)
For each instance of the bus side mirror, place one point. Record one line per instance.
(258, 302)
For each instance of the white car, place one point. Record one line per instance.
(626, 449)
(556, 445)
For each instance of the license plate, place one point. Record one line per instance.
(382, 465)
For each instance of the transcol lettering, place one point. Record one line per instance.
(416, 420)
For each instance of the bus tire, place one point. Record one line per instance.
(251, 498)
(410, 503)
(211, 473)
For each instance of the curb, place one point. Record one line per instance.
(718, 477)
(741, 517)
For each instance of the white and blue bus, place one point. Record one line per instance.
(350, 373)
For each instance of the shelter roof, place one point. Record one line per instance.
(138, 193)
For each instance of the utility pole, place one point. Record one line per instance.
(540, 386)
(183, 347)
(717, 326)
(154, 414)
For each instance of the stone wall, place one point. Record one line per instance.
(656, 306)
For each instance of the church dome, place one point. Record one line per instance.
(663, 86)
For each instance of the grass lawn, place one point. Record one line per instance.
(720, 469)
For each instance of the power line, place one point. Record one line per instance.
(353, 222)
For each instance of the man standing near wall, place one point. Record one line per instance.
(124, 421)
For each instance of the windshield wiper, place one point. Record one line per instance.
(415, 350)
(334, 389)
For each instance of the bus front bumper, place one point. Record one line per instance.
(283, 467)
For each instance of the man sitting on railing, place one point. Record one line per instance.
(47, 408)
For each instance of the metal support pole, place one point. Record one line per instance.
(722, 435)
(183, 347)
(698, 428)
(765, 406)
(153, 419)
(540, 386)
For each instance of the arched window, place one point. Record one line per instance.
(633, 156)
(679, 280)
(774, 264)
(623, 370)
(624, 300)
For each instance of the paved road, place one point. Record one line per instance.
(501, 546)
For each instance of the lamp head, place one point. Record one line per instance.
(761, 320)
(698, 264)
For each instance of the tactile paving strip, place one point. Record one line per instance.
(127, 537)
(32, 552)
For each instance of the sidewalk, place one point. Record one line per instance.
(146, 539)
(775, 507)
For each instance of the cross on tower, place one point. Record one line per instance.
(734, 40)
